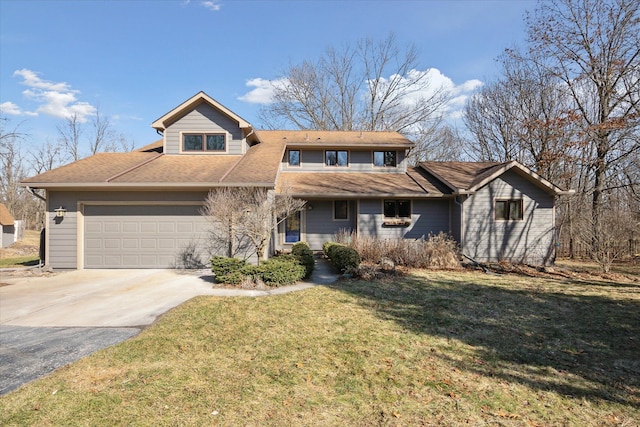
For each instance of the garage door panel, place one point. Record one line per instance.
(139, 236)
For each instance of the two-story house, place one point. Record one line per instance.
(141, 209)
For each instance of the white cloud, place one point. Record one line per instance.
(263, 90)
(213, 5)
(14, 110)
(53, 99)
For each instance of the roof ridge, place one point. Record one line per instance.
(134, 167)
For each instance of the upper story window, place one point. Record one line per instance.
(509, 210)
(294, 157)
(384, 158)
(204, 142)
(397, 209)
(336, 158)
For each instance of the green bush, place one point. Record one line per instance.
(304, 254)
(327, 246)
(344, 257)
(282, 270)
(221, 266)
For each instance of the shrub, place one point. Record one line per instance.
(438, 251)
(221, 266)
(326, 247)
(282, 270)
(342, 257)
(304, 254)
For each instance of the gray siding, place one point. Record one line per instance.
(427, 217)
(530, 240)
(359, 161)
(204, 118)
(320, 225)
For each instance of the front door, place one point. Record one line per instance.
(292, 228)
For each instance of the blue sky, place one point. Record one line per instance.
(136, 60)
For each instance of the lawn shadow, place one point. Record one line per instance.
(574, 343)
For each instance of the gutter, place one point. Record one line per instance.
(33, 193)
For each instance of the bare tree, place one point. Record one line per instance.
(46, 157)
(103, 136)
(593, 48)
(370, 86)
(69, 132)
(244, 217)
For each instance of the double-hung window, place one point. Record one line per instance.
(508, 210)
(336, 158)
(204, 142)
(384, 158)
(397, 209)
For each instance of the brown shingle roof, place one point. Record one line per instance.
(259, 165)
(461, 175)
(298, 138)
(97, 168)
(184, 168)
(5, 216)
(355, 184)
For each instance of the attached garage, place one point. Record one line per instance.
(140, 236)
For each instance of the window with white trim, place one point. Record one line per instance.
(294, 157)
(204, 142)
(397, 209)
(508, 210)
(340, 210)
(384, 159)
(336, 158)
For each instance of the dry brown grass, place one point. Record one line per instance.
(429, 348)
(28, 246)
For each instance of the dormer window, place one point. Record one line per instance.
(336, 158)
(204, 142)
(384, 159)
(294, 157)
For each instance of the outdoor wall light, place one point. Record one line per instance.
(60, 212)
(309, 207)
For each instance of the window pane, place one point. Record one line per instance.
(389, 158)
(215, 142)
(515, 209)
(343, 158)
(501, 209)
(390, 208)
(404, 208)
(192, 143)
(331, 158)
(294, 157)
(378, 158)
(292, 228)
(340, 209)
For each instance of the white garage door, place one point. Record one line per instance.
(140, 236)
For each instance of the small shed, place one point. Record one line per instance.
(7, 237)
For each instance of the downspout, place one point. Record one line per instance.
(462, 237)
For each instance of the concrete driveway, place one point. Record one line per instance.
(49, 321)
(97, 298)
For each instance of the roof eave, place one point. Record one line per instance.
(141, 185)
(161, 123)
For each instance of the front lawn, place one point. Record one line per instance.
(429, 349)
(21, 261)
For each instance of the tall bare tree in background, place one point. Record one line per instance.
(568, 106)
(371, 86)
